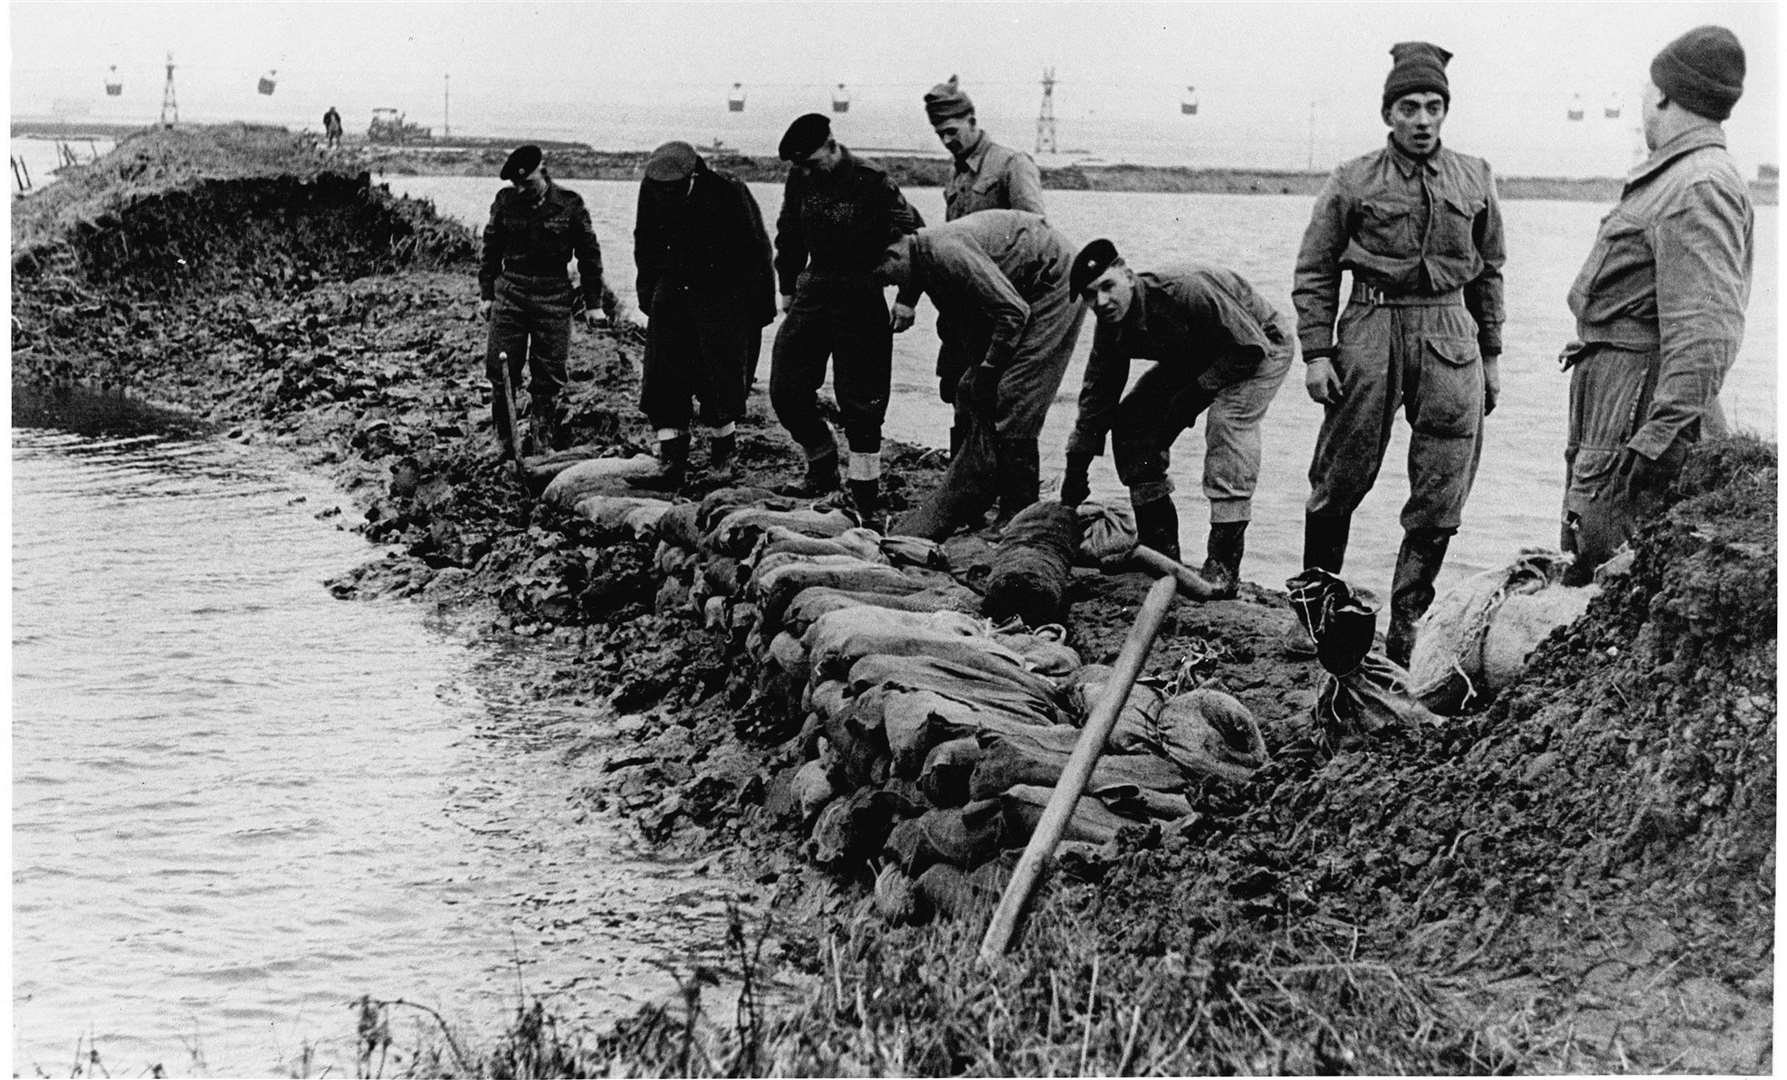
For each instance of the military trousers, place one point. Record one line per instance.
(843, 319)
(531, 322)
(1419, 357)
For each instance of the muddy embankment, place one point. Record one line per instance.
(1577, 877)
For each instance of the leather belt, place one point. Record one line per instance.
(1364, 293)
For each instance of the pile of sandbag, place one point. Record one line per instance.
(930, 736)
(1476, 637)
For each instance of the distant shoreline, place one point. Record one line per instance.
(483, 156)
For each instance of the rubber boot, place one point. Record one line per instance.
(956, 435)
(821, 478)
(1222, 566)
(546, 426)
(1157, 526)
(1324, 540)
(499, 421)
(721, 454)
(673, 467)
(865, 495)
(1411, 591)
(1018, 477)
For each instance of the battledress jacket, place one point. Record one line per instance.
(838, 223)
(539, 239)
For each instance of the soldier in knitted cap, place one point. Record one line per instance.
(838, 214)
(1418, 227)
(706, 280)
(524, 287)
(1660, 302)
(987, 176)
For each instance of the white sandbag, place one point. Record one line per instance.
(1107, 534)
(737, 533)
(599, 476)
(914, 551)
(637, 514)
(1447, 667)
(1135, 731)
(788, 653)
(838, 639)
(857, 543)
(1209, 733)
(713, 613)
(1044, 650)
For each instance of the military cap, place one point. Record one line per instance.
(671, 162)
(523, 161)
(1702, 71)
(946, 101)
(1094, 259)
(807, 134)
(1416, 67)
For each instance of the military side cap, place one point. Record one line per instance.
(671, 162)
(807, 134)
(524, 160)
(1094, 259)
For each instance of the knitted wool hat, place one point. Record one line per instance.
(945, 101)
(1417, 68)
(1702, 71)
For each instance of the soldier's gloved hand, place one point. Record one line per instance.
(981, 384)
(1492, 381)
(484, 307)
(1322, 381)
(1642, 478)
(902, 318)
(1075, 487)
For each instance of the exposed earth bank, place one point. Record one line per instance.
(1579, 877)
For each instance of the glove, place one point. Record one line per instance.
(1074, 485)
(1641, 479)
(981, 384)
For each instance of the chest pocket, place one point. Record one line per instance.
(1389, 227)
(1452, 226)
(1619, 277)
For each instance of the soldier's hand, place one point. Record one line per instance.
(1492, 383)
(1322, 382)
(1075, 487)
(484, 307)
(787, 302)
(902, 319)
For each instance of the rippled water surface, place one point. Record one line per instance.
(239, 804)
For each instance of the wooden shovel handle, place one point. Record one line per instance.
(1191, 583)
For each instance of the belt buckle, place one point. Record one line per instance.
(1373, 295)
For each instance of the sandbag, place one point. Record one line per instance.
(814, 602)
(737, 533)
(812, 788)
(837, 639)
(914, 551)
(856, 543)
(1135, 728)
(915, 720)
(1022, 808)
(790, 655)
(636, 514)
(775, 588)
(1043, 650)
(1140, 803)
(1007, 761)
(1107, 534)
(850, 829)
(1476, 636)
(678, 528)
(966, 489)
(722, 576)
(960, 836)
(713, 613)
(1364, 694)
(896, 897)
(945, 892)
(718, 503)
(1032, 566)
(598, 476)
(944, 777)
(1008, 687)
(1209, 733)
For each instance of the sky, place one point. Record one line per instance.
(1279, 85)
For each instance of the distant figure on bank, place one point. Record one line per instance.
(1218, 348)
(1001, 278)
(837, 216)
(524, 284)
(1659, 304)
(1419, 228)
(332, 128)
(987, 176)
(706, 281)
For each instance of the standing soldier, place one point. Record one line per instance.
(1001, 276)
(838, 214)
(1419, 227)
(987, 176)
(1660, 302)
(525, 287)
(1216, 347)
(706, 281)
(332, 127)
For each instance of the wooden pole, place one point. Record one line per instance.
(514, 442)
(1072, 784)
(1191, 583)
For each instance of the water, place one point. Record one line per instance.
(1518, 490)
(238, 804)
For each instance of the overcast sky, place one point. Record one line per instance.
(1265, 70)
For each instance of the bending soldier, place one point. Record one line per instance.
(1217, 348)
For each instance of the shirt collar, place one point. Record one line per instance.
(1407, 165)
(976, 156)
(1135, 321)
(1695, 138)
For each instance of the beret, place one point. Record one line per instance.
(807, 134)
(1094, 259)
(672, 161)
(524, 160)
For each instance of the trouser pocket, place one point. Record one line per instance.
(1448, 400)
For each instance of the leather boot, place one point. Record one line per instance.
(545, 424)
(500, 422)
(956, 435)
(821, 478)
(1324, 540)
(865, 495)
(1157, 526)
(1222, 567)
(1018, 476)
(673, 467)
(721, 451)
(1411, 591)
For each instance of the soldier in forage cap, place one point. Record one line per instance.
(838, 213)
(1418, 227)
(706, 281)
(535, 229)
(1660, 302)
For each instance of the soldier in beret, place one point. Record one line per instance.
(1219, 349)
(838, 213)
(706, 281)
(1660, 302)
(1419, 229)
(524, 285)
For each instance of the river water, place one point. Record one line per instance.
(238, 804)
(1518, 490)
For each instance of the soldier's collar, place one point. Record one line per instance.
(1695, 138)
(1407, 164)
